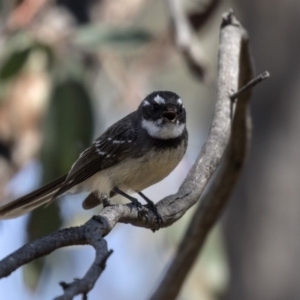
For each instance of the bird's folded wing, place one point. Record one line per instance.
(110, 148)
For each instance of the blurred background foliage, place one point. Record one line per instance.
(71, 68)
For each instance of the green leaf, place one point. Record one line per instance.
(41, 222)
(68, 127)
(93, 37)
(14, 63)
(46, 49)
(32, 273)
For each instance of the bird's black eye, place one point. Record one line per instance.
(155, 106)
(180, 109)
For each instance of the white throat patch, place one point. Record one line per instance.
(166, 131)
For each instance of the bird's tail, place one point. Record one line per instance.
(32, 200)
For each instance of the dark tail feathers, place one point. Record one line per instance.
(32, 200)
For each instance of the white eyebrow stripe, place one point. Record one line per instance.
(179, 101)
(159, 100)
(146, 103)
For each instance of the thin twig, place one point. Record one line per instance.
(84, 285)
(185, 41)
(250, 84)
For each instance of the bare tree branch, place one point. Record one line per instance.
(234, 71)
(89, 234)
(84, 285)
(184, 39)
(198, 18)
(233, 44)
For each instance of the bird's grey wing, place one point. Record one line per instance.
(111, 147)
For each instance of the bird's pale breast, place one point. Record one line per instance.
(137, 174)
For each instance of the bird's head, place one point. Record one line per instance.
(163, 115)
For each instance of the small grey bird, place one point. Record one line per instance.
(134, 153)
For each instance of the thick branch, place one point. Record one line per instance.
(232, 41)
(88, 234)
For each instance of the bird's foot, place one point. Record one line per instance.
(151, 206)
(106, 201)
(136, 203)
(154, 209)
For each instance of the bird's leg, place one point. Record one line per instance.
(132, 199)
(106, 201)
(152, 206)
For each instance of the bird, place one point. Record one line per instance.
(134, 153)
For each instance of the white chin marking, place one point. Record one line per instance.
(166, 131)
(146, 103)
(159, 100)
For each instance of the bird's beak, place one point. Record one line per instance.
(170, 114)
